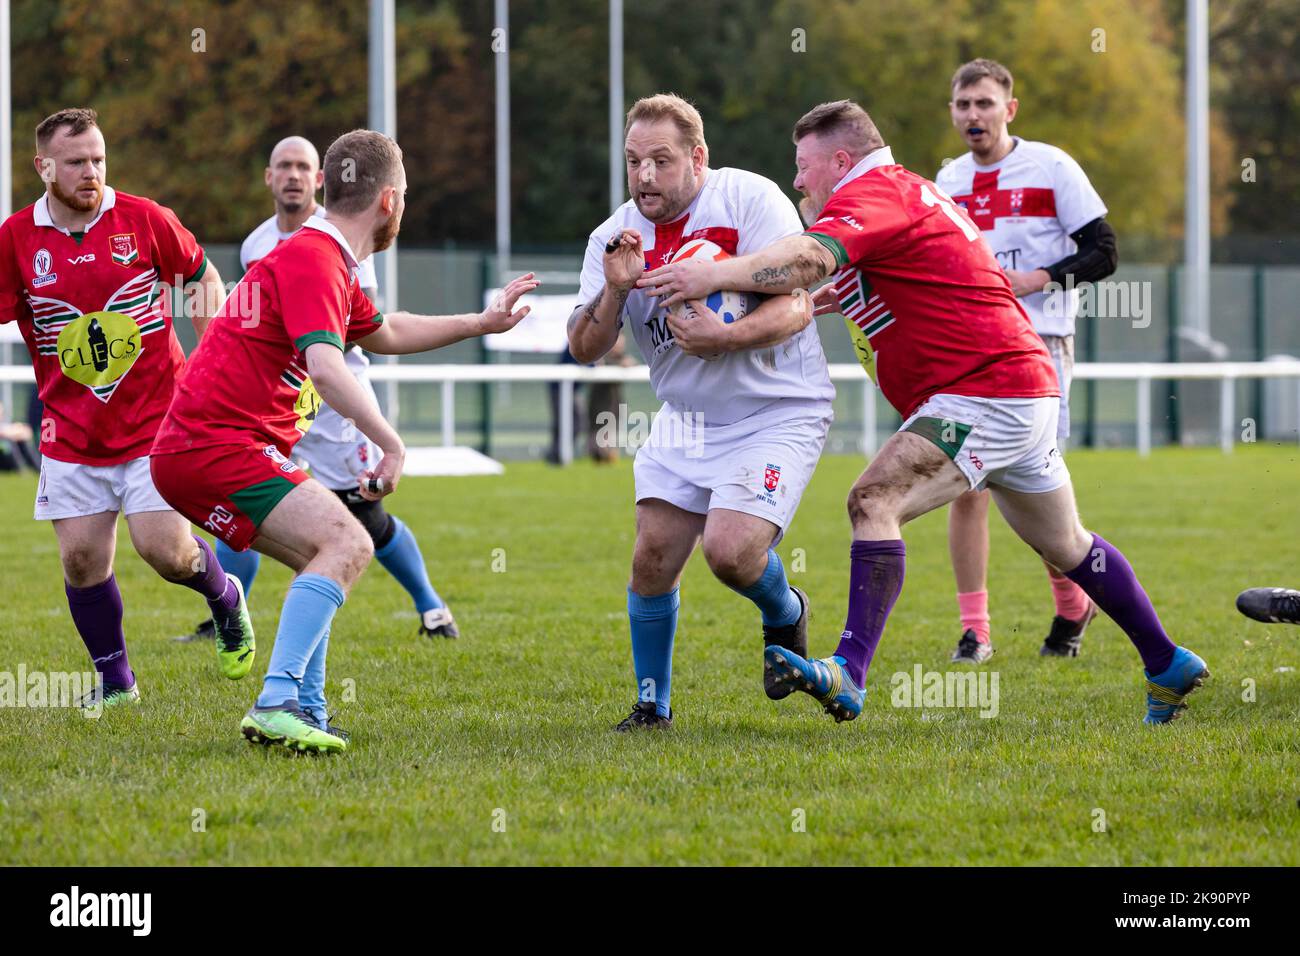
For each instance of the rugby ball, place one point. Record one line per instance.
(730, 306)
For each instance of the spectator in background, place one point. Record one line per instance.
(15, 445)
(606, 397)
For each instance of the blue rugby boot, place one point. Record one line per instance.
(826, 679)
(1167, 691)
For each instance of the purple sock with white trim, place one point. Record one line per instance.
(1107, 577)
(875, 580)
(97, 614)
(212, 581)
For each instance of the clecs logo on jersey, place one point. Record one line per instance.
(42, 262)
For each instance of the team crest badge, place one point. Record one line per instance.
(42, 263)
(771, 477)
(1017, 200)
(124, 249)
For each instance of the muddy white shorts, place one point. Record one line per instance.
(69, 490)
(759, 465)
(1007, 442)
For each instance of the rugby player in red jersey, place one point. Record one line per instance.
(82, 272)
(222, 454)
(936, 323)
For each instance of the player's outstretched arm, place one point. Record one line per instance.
(795, 262)
(405, 332)
(593, 326)
(340, 390)
(699, 331)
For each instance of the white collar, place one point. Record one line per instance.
(881, 157)
(322, 224)
(41, 212)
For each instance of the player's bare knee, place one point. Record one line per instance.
(870, 502)
(84, 567)
(730, 561)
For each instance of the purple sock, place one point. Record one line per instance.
(211, 580)
(875, 578)
(1108, 579)
(97, 613)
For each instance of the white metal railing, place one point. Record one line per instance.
(1142, 374)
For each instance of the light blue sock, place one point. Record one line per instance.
(242, 564)
(654, 625)
(771, 592)
(402, 559)
(312, 696)
(309, 608)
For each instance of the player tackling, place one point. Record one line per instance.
(936, 321)
(81, 272)
(1046, 225)
(222, 454)
(737, 438)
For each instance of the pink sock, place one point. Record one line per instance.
(1071, 601)
(974, 608)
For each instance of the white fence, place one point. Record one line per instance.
(1142, 374)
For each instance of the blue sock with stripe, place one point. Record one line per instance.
(242, 564)
(309, 608)
(654, 625)
(771, 592)
(402, 559)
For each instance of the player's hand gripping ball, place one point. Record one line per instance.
(727, 305)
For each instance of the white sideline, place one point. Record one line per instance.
(1141, 373)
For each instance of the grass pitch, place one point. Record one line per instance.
(497, 749)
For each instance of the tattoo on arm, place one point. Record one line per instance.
(803, 269)
(587, 312)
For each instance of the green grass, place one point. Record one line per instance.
(516, 715)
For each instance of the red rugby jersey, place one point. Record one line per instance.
(95, 320)
(247, 380)
(927, 292)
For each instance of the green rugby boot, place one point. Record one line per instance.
(291, 727)
(110, 695)
(236, 647)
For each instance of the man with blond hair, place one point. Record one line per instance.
(936, 323)
(747, 404)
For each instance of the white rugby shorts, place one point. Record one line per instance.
(1006, 442)
(70, 490)
(759, 465)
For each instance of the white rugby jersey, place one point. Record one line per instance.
(741, 212)
(1026, 206)
(268, 235)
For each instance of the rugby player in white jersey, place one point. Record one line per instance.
(1046, 224)
(746, 405)
(334, 450)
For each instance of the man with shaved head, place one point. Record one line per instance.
(332, 447)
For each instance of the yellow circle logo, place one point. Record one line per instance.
(98, 348)
(307, 404)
